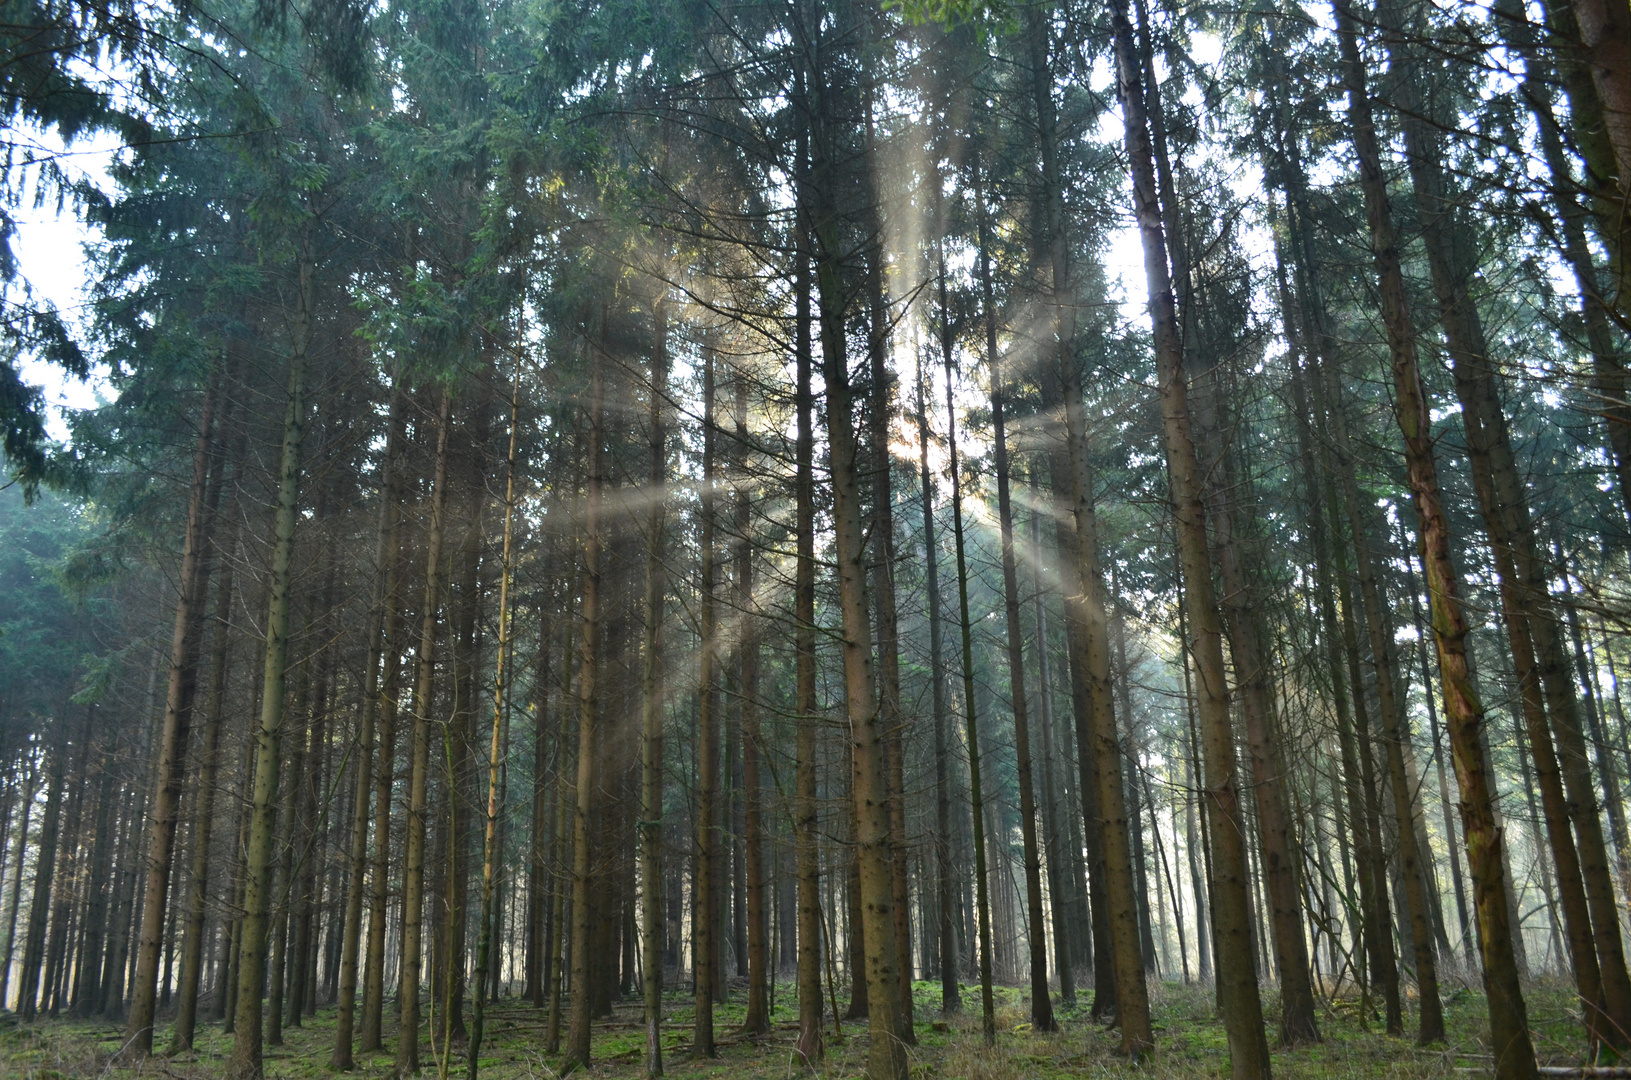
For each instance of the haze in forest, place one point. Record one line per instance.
(903, 538)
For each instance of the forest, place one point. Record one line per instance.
(916, 539)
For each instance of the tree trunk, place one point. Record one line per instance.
(1514, 1053)
(971, 738)
(30, 790)
(385, 587)
(1053, 837)
(173, 737)
(245, 1061)
(204, 798)
(808, 853)
(756, 1021)
(45, 866)
(1281, 879)
(491, 853)
(1238, 996)
(1380, 629)
(887, 1055)
(1525, 593)
(891, 719)
(951, 999)
(652, 707)
(1041, 1003)
(424, 701)
(705, 899)
(578, 1030)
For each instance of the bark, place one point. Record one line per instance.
(892, 718)
(1322, 513)
(93, 926)
(1605, 40)
(808, 854)
(589, 675)
(1076, 538)
(982, 899)
(1525, 593)
(45, 868)
(1610, 380)
(540, 868)
(385, 561)
(424, 701)
(1379, 925)
(756, 1020)
(1380, 632)
(245, 1060)
(15, 885)
(705, 895)
(1438, 761)
(1037, 938)
(945, 889)
(887, 1054)
(173, 737)
(1053, 837)
(491, 852)
(1280, 861)
(1238, 997)
(565, 802)
(204, 799)
(1514, 1053)
(384, 778)
(651, 707)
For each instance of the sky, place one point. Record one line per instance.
(51, 256)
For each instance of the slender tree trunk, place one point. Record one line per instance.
(807, 809)
(971, 738)
(1320, 499)
(385, 574)
(45, 866)
(652, 707)
(30, 790)
(1041, 1003)
(756, 1021)
(173, 737)
(1379, 925)
(93, 926)
(1281, 881)
(1379, 626)
(1238, 996)
(892, 719)
(1514, 1053)
(245, 1060)
(566, 800)
(578, 1028)
(1525, 594)
(1053, 837)
(540, 871)
(705, 899)
(951, 998)
(1605, 41)
(887, 1055)
(424, 701)
(204, 801)
(373, 993)
(491, 852)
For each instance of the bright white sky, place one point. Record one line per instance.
(50, 249)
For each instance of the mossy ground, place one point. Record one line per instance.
(1190, 1043)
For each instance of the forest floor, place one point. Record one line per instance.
(1189, 1044)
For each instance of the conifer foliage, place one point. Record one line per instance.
(654, 503)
